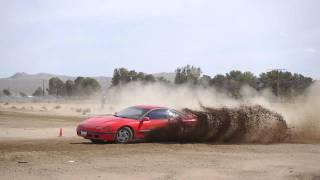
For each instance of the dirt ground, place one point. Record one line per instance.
(31, 149)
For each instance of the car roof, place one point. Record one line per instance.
(150, 107)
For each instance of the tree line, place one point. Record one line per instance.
(281, 83)
(81, 86)
(124, 76)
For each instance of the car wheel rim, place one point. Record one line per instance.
(123, 136)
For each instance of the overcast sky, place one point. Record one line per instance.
(91, 38)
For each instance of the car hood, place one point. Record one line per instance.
(102, 121)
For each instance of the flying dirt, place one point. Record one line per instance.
(245, 124)
(300, 114)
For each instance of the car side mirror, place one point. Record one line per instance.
(145, 119)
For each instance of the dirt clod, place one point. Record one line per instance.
(246, 124)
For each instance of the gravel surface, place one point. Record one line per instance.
(32, 150)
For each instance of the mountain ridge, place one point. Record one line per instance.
(28, 83)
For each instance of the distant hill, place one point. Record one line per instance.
(28, 83)
(44, 76)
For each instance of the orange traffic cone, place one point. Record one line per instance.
(60, 132)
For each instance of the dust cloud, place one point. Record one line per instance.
(245, 124)
(301, 114)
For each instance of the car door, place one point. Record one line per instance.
(159, 118)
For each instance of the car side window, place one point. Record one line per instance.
(173, 113)
(158, 114)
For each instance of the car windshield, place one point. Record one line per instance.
(132, 113)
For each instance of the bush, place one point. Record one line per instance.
(6, 92)
(85, 111)
(57, 107)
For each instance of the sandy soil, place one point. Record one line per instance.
(31, 149)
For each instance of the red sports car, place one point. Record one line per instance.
(133, 123)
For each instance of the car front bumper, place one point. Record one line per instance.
(89, 134)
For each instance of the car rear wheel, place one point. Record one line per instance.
(124, 135)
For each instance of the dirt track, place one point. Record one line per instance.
(30, 149)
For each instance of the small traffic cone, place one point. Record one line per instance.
(60, 132)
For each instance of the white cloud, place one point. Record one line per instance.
(310, 50)
(216, 35)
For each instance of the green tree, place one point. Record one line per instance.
(186, 74)
(243, 78)
(132, 75)
(300, 83)
(250, 79)
(78, 83)
(38, 92)
(219, 81)
(179, 78)
(163, 80)
(56, 87)
(149, 78)
(85, 86)
(124, 75)
(232, 82)
(90, 86)
(7, 92)
(140, 76)
(284, 83)
(70, 86)
(116, 78)
(22, 94)
(205, 80)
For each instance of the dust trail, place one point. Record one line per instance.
(245, 124)
(301, 114)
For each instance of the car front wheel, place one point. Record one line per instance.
(124, 135)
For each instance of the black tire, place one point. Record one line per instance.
(124, 135)
(96, 141)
